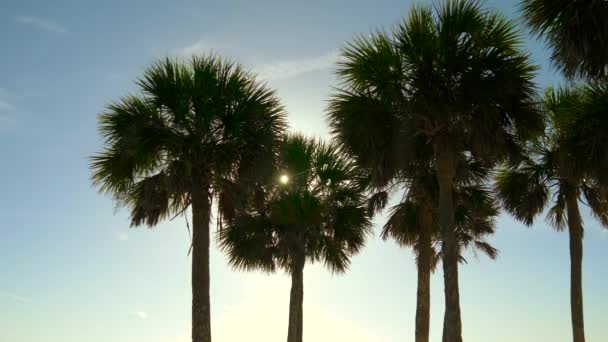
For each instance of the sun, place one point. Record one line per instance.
(284, 179)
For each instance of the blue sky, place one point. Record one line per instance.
(70, 268)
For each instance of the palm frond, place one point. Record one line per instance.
(248, 241)
(402, 224)
(136, 135)
(576, 32)
(556, 216)
(522, 192)
(487, 249)
(377, 202)
(167, 84)
(596, 201)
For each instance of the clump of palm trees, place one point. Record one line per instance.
(414, 223)
(433, 109)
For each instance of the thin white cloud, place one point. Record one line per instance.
(292, 68)
(202, 46)
(277, 70)
(122, 237)
(192, 49)
(14, 297)
(42, 24)
(140, 314)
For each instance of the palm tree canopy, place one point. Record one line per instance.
(453, 71)
(585, 123)
(317, 212)
(576, 31)
(206, 123)
(475, 210)
(560, 163)
(474, 219)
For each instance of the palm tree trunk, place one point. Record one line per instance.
(296, 301)
(444, 337)
(201, 308)
(575, 227)
(445, 178)
(423, 295)
(423, 300)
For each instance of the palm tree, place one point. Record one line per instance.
(197, 131)
(413, 223)
(577, 33)
(451, 78)
(556, 166)
(315, 213)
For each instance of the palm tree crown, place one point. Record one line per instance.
(584, 125)
(457, 72)
(208, 121)
(196, 131)
(555, 164)
(577, 33)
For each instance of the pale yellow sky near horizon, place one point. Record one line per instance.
(264, 318)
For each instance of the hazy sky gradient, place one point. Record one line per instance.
(71, 270)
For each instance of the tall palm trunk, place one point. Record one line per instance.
(296, 300)
(444, 337)
(201, 308)
(575, 227)
(423, 295)
(445, 178)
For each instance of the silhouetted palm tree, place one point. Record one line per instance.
(557, 167)
(576, 31)
(314, 212)
(414, 223)
(196, 131)
(453, 79)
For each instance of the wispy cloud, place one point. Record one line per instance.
(276, 70)
(41, 23)
(140, 314)
(122, 237)
(201, 46)
(14, 297)
(292, 68)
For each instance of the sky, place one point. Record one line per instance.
(72, 270)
